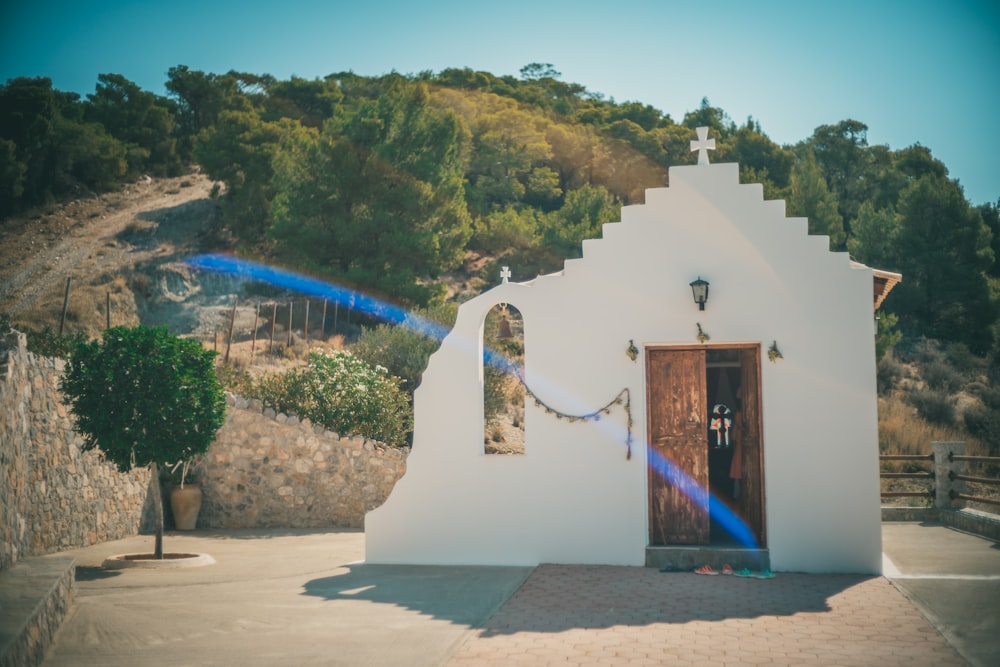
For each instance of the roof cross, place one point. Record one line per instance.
(505, 274)
(703, 145)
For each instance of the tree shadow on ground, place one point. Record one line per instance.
(94, 573)
(556, 598)
(265, 533)
(461, 594)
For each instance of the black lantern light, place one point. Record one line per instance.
(699, 288)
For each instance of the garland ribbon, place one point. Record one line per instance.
(624, 398)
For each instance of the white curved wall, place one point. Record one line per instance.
(574, 497)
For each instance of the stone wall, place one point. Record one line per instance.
(15, 391)
(263, 470)
(272, 470)
(55, 496)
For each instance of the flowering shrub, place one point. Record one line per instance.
(344, 394)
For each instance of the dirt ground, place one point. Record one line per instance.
(123, 253)
(106, 244)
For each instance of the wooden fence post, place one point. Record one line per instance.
(305, 326)
(62, 320)
(232, 321)
(274, 318)
(253, 343)
(943, 484)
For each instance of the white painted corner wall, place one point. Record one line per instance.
(574, 496)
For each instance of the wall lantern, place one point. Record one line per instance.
(700, 290)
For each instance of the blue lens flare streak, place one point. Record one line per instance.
(390, 313)
(354, 300)
(718, 510)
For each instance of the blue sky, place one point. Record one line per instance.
(919, 71)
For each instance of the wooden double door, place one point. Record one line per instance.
(704, 488)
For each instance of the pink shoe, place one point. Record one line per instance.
(726, 569)
(705, 569)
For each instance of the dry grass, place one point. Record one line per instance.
(903, 432)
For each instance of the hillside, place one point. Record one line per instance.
(131, 244)
(122, 243)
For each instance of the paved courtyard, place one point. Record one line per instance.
(307, 598)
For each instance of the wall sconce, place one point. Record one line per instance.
(773, 353)
(632, 352)
(699, 288)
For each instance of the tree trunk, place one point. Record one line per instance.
(157, 512)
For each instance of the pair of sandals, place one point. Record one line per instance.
(727, 570)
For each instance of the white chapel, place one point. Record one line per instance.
(739, 429)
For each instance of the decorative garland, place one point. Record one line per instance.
(624, 398)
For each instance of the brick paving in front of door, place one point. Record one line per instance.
(608, 615)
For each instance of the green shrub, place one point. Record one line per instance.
(404, 349)
(47, 342)
(934, 405)
(983, 423)
(236, 380)
(939, 374)
(888, 372)
(887, 336)
(343, 393)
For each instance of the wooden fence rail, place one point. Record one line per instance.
(947, 477)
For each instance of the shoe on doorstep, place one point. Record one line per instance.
(705, 569)
(745, 572)
(764, 574)
(727, 569)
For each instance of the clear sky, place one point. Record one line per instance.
(914, 71)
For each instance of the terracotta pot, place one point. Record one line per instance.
(185, 501)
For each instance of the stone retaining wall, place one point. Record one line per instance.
(268, 470)
(35, 597)
(55, 496)
(15, 392)
(263, 470)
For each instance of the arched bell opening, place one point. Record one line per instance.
(503, 391)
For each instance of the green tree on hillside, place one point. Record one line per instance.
(841, 151)
(309, 102)
(714, 118)
(239, 150)
(53, 150)
(810, 198)
(140, 120)
(944, 251)
(581, 217)
(381, 203)
(760, 159)
(875, 236)
(201, 98)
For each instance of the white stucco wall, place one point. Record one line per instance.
(573, 497)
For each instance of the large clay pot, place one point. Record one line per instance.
(185, 501)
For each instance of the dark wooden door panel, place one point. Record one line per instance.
(752, 498)
(678, 461)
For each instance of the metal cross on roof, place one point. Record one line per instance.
(703, 145)
(505, 274)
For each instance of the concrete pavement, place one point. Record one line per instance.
(306, 598)
(954, 579)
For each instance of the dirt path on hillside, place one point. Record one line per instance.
(94, 239)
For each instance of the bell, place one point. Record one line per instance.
(503, 329)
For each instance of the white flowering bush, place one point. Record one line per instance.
(343, 393)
